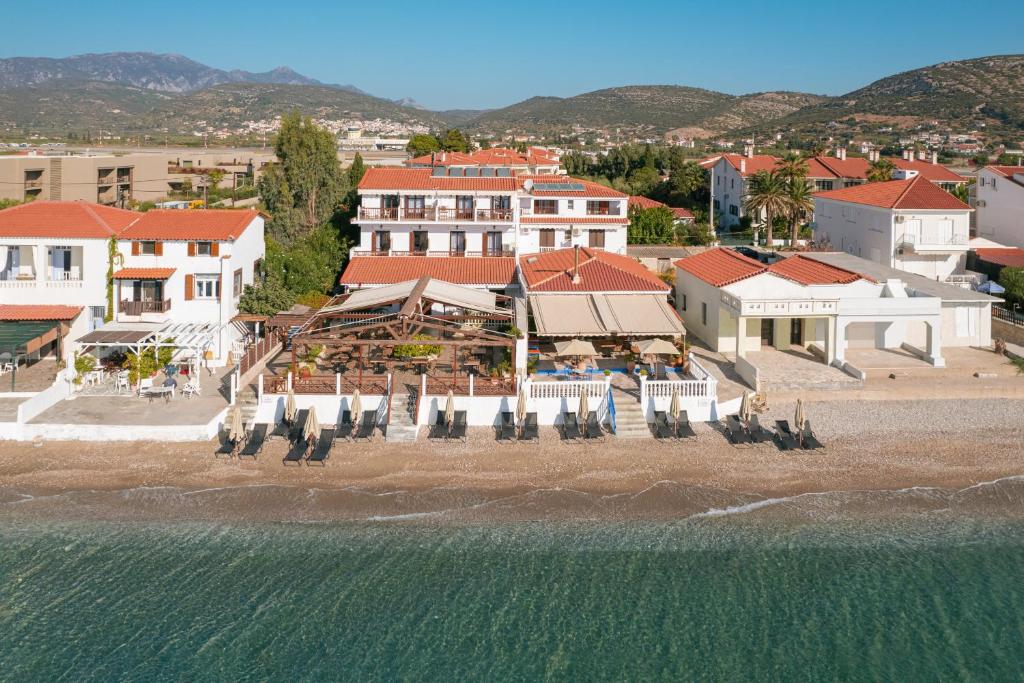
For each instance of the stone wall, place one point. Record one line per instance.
(1007, 332)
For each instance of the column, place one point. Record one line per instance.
(935, 343)
(782, 333)
(741, 337)
(839, 337)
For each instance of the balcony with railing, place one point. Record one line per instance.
(492, 253)
(913, 242)
(429, 214)
(138, 308)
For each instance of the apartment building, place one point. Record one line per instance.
(535, 160)
(1000, 204)
(100, 179)
(909, 224)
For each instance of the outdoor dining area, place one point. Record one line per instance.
(575, 358)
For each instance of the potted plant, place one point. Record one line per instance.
(630, 362)
(643, 372)
(494, 375)
(607, 372)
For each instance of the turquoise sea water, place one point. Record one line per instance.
(734, 598)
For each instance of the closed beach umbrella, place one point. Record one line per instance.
(289, 407)
(312, 425)
(584, 409)
(236, 431)
(674, 407)
(521, 405)
(745, 407)
(355, 406)
(798, 418)
(449, 409)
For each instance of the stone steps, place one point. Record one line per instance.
(401, 428)
(630, 422)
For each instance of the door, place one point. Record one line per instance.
(767, 332)
(912, 231)
(382, 240)
(60, 262)
(389, 206)
(596, 239)
(464, 207)
(492, 243)
(420, 241)
(547, 239)
(457, 242)
(796, 331)
(415, 207)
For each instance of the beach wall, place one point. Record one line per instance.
(328, 406)
(47, 398)
(96, 432)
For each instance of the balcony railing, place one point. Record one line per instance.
(911, 241)
(494, 215)
(504, 251)
(443, 214)
(140, 307)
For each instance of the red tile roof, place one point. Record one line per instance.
(422, 179)
(590, 188)
(641, 202)
(497, 271)
(826, 167)
(681, 213)
(937, 173)
(1011, 257)
(44, 218)
(1008, 172)
(200, 224)
(610, 220)
(599, 271)
(144, 273)
(496, 156)
(721, 267)
(810, 272)
(915, 193)
(38, 312)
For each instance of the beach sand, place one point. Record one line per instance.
(946, 445)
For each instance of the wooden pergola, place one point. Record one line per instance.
(424, 312)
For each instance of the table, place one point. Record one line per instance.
(156, 392)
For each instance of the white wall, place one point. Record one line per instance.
(1001, 219)
(729, 189)
(328, 406)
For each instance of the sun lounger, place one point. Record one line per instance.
(438, 430)
(459, 426)
(322, 449)
(683, 428)
(784, 437)
(281, 430)
(298, 428)
(735, 431)
(507, 428)
(593, 428)
(570, 427)
(530, 430)
(662, 430)
(345, 427)
(227, 447)
(297, 452)
(367, 427)
(808, 440)
(254, 442)
(758, 434)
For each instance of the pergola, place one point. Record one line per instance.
(404, 314)
(23, 337)
(194, 337)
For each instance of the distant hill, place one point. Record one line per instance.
(160, 72)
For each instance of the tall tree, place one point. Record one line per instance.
(651, 226)
(454, 141)
(423, 144)
(800, 205)
(880, 171)
(792, 166)
(768, 197)
(356, 170)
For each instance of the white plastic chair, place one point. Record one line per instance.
(121, 381)
(191, 388)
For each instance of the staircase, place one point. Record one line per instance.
(246, 398)
(401, 428)
(630, 422)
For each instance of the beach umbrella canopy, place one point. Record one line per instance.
(574, 347)
(236, 432)
(745, 407)
(312, 425)
(798, 418)
(355, 406)
(584, 409)
(656, 347)
(674, 407)
(289, 406)
(449, 409)
(521, 405)
(991, 287)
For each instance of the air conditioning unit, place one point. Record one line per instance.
(576, 232)
(981, 204)
(900, 219)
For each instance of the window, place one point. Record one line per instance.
(457, 242)
(492, 243)
(382, 240)
(734, 210)
(545, 207)
(569, 205)
(684, 302)
(596, 239)
(236, 283)
(732, 183)
(547, 239)
(718, 205)
(204, 248)
(598, 208)
(207, 286)
(257, 270)
(415, 207)
(703, 313)
(420, 241)
(823, 185)
(147, 248)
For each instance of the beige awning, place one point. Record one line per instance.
(574, 347)
(602, 315)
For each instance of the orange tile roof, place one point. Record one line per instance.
(1011, 257)
(422, 179)
(609, 220)
(810, 272)
(1008, 172)
(600, 271)
(916, 193)
(144, 273)
(680, 212)
(721, 267)
(38, 312)
(44, 218)
(834, 168)
(220, 225)
(644, 202)
(937, 173)
(498, 271)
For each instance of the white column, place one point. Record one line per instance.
(741, 337)
(839, 356)
(934, 328)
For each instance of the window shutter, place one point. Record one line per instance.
(190, 287)
(136, 247)
(214, 249)
(191, 248)
(158, 248)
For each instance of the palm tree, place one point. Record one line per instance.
(767, 195)
(880, 171)
(792, 166)
(800, 202)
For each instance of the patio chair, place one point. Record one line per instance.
(121, 382)
(662, 430)
(297, 452)
(254, 441)
(530, 430)
(570, 427)
(296, 432)
(322, 449)
(190, 389)
(438, 430)
(227, 446)
(758, 434)
(345, 427)
(593, 429)
(808, 440)
(460, 426)
(684, 430)
(367, 427)
(507, 428)
(735, 431)
(785, 439)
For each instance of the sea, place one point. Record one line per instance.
(915, 585)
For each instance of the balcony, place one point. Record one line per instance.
(916, 243)
(441, 214)
(138, 308)
(487, 253)
(494, 215)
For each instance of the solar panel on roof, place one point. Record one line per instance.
(472, 172)
(504, 172)
(439, 171)
(455, 172)
(487, 172)
(559, 187)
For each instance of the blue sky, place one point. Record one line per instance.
(462, 54)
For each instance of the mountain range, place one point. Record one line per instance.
(134, 93)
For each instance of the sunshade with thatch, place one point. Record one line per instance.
(574, 347)
(521, 404)
(584, 409)
(449, 409)
(355, 407)
(312, 425)
(674, 407)
(289, 407)
(236, 432)
(656, 347)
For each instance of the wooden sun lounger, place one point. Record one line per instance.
(322, 449)
(438, 430)
(530, 432)
(785, 439)
(758, 434)
(367, 427)
(593, 428)
(459, 427)
(297, 452)
(254, 442)
(684, 430)
(662, 430)
(345, 427)
(808, 440)
(507, 428)
(570, 427)
(735, 431)
(298, 428)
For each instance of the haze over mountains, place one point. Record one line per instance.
(145, 93)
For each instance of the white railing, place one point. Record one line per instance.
(594, 389)
(18, 283)
(64, 284)
(687, 388)
(933, 240)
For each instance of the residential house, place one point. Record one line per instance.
(534, 161)
(1000, 204)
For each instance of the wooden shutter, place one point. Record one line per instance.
(136, 248)
(214, 249)
(190, 287)
(191, 248)
(158, 248)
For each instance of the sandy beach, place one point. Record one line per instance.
(871, 446)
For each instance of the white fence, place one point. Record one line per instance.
(698, 396)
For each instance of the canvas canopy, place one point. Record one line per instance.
(600, 315)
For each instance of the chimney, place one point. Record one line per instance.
(908, 155)
(748, 150)
(743, 165)
(576, 264)
(872, 155)
(841, 153)
(935, 158)
(922, 155)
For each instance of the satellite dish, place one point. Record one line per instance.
(528, 185)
